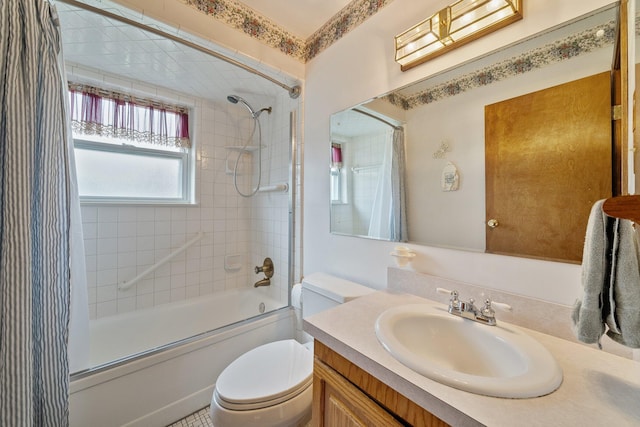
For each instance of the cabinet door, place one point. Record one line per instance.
(337, 402)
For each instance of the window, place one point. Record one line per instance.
(129, 173)
(129, 149)
(338, 175)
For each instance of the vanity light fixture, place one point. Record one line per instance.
(453, 26)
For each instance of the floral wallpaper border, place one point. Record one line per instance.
(574, 45)
(243, 18)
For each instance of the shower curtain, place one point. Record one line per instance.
(388, 213)
(382, 208)
(398, 188)
(37, 205)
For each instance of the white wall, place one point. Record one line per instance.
(360, 66)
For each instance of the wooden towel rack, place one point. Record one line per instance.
(626, 207)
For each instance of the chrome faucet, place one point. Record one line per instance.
(468, 310)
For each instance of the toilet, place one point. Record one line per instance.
(270, 385)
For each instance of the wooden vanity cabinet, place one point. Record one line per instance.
(344, 395)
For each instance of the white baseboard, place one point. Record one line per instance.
(176, 410)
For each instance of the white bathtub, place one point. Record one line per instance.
(170, 381)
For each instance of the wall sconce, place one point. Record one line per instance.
(453, 26)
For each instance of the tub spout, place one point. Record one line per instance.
(264, 282)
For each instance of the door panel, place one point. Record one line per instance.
(548, 159)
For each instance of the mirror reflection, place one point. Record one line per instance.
(367, 175)
(444, 122)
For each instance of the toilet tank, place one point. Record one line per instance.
(321, 291)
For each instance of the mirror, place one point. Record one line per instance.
(444, 129)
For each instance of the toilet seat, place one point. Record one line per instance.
(265, 376)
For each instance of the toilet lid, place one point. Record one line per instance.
(266, 375)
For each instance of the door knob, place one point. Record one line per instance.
(492, 223)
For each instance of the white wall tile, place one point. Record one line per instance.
(126, 304)
(145, 214)
(107, 214)
(89, 230)
(106, 293)
(107, 261)
(108, 308)
(89, 214)
(178, 294)
(107, 246)
(145, 228)
(161, 297)
(127, 244)
(107, 277)
(107, 230)
(162, 284)
(144, 301)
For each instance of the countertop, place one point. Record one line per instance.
(598, 388)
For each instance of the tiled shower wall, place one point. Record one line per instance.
(124, 240)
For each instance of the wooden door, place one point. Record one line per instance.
(548, 158)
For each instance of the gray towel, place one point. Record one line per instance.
(587, 313)
(610, 281)
(623, 318)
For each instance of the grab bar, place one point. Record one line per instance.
(163, 261)
(358, 169)
(276, 187)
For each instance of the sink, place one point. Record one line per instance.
(498, 361)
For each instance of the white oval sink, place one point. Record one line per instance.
(498, 361)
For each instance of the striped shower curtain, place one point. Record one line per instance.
(35, 212)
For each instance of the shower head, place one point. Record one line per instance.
(234, 99)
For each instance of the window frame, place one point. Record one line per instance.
(186, 157)
(339, 181)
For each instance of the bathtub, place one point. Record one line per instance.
(170, 376)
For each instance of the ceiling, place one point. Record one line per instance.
(300, 17)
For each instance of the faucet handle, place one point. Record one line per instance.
(454, 302)
(488, 310)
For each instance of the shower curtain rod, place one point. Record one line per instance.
(377, 118)
(294, 91)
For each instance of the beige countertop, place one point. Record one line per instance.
(598, 389)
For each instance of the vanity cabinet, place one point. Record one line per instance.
(345, 395)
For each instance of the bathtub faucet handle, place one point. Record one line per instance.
(266, 268)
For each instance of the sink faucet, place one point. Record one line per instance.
(468, 310)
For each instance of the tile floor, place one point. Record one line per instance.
(201, 419)
(197, 419)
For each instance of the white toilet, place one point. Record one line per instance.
(271, 384)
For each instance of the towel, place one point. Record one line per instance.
(610, 281)
(623, 318)
(587, 312)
